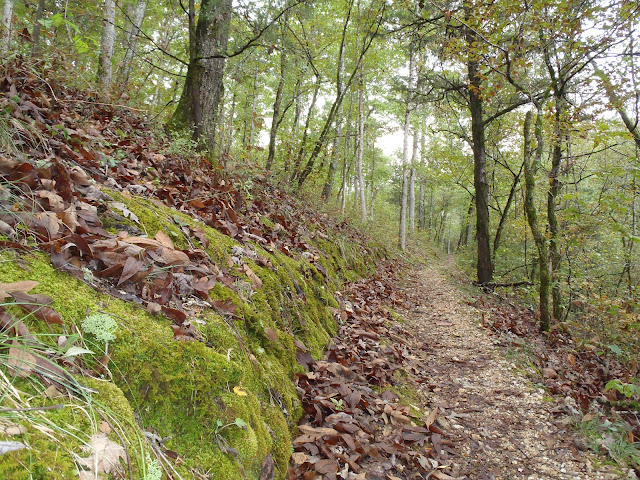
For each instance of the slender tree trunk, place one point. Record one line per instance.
(303, 142)
(430, 208)
(7, 20)
(37, 28)
(412, 182)
(421, 207)
(345, 155)
(530, 168)
(374, 188)
(134, 24)
(275, 122)
(505, 212)
(333, 165)
(253, 114)
(203, 88)
(405, 148)
(552, 196)
(106, 44)
(322, 138)
(484, 265)
(467, 226)
(360, 152)
(228, 141)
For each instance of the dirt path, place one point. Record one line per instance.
(501, 425)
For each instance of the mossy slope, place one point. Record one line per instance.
(193, 391)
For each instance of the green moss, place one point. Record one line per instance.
(181, 389)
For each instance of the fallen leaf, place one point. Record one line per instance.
(268, 468)
(37, 306)
(23, 286)
(299, 458)
(239, 391)
(164, 239)
(271, 334)
(131, 267)
(257, 282)
(125, 211)
(21, 362)
(431, 418)
(105, 456)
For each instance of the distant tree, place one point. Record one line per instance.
(106, 44)
(7, 19)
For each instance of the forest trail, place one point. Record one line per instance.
(499, 424)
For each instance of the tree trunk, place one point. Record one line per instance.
(250, 118)
(37, 28)
(198, 106)
(333, 165)
(421, 207)
(134, 24)
(303, 142)
(275, 122)
(106, 44)
(405, 149)
(484, 265)
(430, 208)
(7, 19)
(505, 212)
(228, 141)
(467, 226)
(360, 152)
(530, 169)
(552, 195)
(345, 172)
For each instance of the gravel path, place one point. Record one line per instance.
(502, 427)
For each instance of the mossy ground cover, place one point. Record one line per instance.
(184, 390)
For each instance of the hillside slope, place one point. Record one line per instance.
(171, 300)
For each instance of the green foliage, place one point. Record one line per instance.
(629, 390)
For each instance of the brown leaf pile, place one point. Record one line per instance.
(354, 427)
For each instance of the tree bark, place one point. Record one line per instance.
(37, 27)
(7, 19)
(360, 152)
(197, 109)
(552, 195)
(484, 265)
(106, 44)
(412, 183)
(530, 168)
